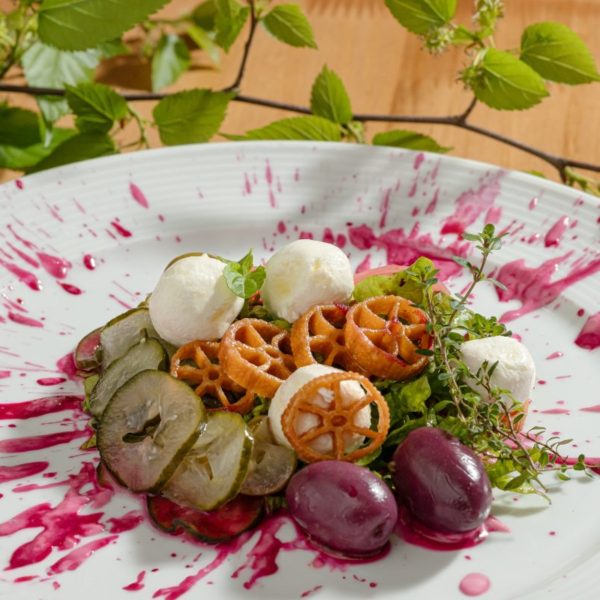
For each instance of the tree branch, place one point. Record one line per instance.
(242, 69)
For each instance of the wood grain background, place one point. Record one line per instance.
(386, 71)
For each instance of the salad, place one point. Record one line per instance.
(356, 404)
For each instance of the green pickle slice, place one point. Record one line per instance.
(147, 428)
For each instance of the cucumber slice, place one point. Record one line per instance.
(213, 471)
(228, 521)
(147, 354)
(271, 465)
(88, 354)
(147, 428)
(123, 332)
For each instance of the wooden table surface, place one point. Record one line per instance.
(386, 71)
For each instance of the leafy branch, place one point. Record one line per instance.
(34, 37)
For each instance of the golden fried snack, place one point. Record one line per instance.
(208, 377)
(256, 355)
(324, 400)
(320, 331)
(384, 334)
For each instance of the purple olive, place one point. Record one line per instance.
(442, 483)
(343, 506)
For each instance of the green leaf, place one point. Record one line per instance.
(504, 82)
(557, 53)
(190, 116)
(230, 19)
(170, 60)
(205, 41)
(403, 138)
(295, 128)
(22, 158)
(112, 48)
(288, 24)
(241, 279)
(421, 16)
(329, 98)
(18, 127)
(82, 24)
(79, 147)
(46, 66)
(205, 14)
(97, 106)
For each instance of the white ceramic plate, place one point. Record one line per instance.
(131, 214)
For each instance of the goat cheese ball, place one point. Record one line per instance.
(305, 273)
(352, 392)
(515, 371)
(191, 301)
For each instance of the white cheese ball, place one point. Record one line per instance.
(191, 301)
(305, 273)
(351, 391)
(515, 370)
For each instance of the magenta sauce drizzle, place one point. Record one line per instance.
(89, 262)
(589, 336)
(21, 471)
(556, 232)
(53, 265)
(474, 584)
(138, 195)
(26, 277)
(137, 585)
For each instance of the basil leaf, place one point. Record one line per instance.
(22, 158)
(96, 106)
(504, 82)
(230, 19)
(403, 138)
(288, 24)
(171, 59)
(241, 279)
(421, 16)
(557, 53)
(18, 127)
(295, 128)
(46, 66)
(329, 98)
(79, 147)
(190, 116)
(82, 24)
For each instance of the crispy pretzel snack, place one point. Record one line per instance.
(208, 377)
(320, 331)
(256, 355)
(384, 333)
(337, 420)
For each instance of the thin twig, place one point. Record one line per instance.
(242, 69)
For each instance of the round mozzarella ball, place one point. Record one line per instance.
(515, 370)
(305, 273)
(191, 301)
(351, 391)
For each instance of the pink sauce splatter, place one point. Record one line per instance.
(554, 355)
(307, 593)
(23, 320)
(247, 184)
(268, 173)
(589, 336)
(89, 262)
(122, 231)
(40, 406)
(384, 208)
(127, 522)
(555, 411)
(41, 442)
(595, 408)
(430, 209)
(137, 585)
(24, 256)
(50, 381)
(418, 161)
(54, 265)
(556, 232)
(532, 285)
(26, 277)
(66, 366)
(138, 195)
(77, 557)
(19, 183)
(533, 203)
(21, 471)
(474, 584)
(4, 374)
(493, 215)
(70, 288)
(471, 204)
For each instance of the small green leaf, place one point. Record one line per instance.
(18, 127)
(329, 98)
(557, 53)
(23, 158)
(421, 16)
(205, 41)
(190, 116)
(241, 279)
(230, 19)
(112, 48)
(82, 24)
(295, 128)
(46, 66)
(288, 24)
(403, 138)
(96, 106)
(171, 59)
(504, 82)
(79, 147)
(204, 15)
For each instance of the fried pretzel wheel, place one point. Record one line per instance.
(208, 377)
(336, 420)
(319, 331)
(384, 333)
(257, 355)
